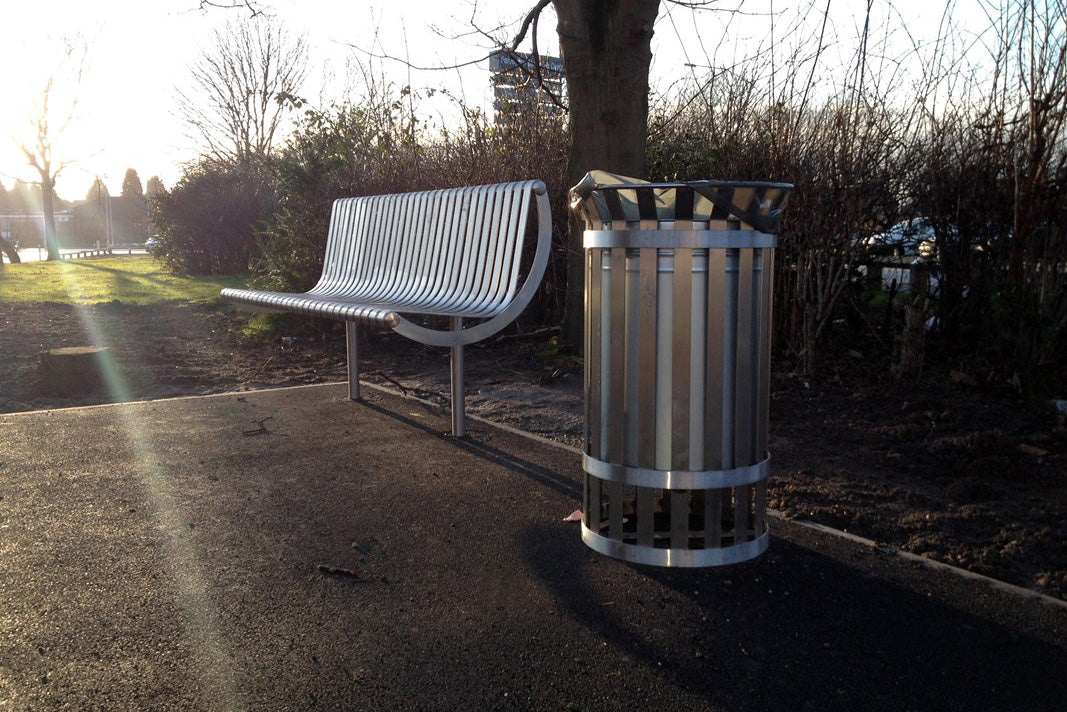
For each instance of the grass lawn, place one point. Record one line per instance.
(131, 280)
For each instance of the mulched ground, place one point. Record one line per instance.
(936, 467)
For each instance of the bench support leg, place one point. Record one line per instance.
(353, 359)
(459, 420)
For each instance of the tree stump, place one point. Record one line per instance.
(72, 370)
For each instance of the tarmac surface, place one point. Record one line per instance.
(292, 550)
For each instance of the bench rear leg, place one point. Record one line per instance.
(353, 359)
(459, 419)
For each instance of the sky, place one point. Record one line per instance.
(138, 55)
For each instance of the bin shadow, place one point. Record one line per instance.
(794, 629)
(797, 629)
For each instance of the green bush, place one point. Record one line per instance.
(208, 222)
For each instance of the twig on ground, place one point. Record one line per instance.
(536, 333)
(392, 381)
(339, 572)
(261, 429)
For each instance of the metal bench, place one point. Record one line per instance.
(395, 260)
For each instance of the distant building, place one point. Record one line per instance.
(111, 220)
(518, 83)
(108, 221)
(27, 228)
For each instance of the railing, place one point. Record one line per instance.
(38, 254)
(82, 254)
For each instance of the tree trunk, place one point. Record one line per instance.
(51, 241)
(913, 338)
(8, 249)
(606, 47)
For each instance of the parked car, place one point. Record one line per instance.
(910, 238)
(151, 244)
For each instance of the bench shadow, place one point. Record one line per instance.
(543, 476)
(796, 629)
(119, 276)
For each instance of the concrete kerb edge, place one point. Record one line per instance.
(928, 563)
(166, 399)
(997, 584)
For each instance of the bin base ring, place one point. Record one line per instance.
(676, 558)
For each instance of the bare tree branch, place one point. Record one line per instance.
(251, 5)
(242, 87)
(529, 22)
(531, 19)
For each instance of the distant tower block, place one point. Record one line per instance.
(520, 83)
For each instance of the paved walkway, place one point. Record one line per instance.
(290, 550)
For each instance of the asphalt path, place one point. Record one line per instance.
(292, 550)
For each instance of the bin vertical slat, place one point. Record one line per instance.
(767, 307)
(594, 362)
(593, 371)
(593, 514)
(755, 358)
(631, 398)
(713, 519)
(679, 519)
(713, 392)
(744, 393)
(647, 359)
(663, 373)
(763, 266)
(759, 514)
(681, 353)
(746, 356)
(729, 356)
(698, 360)
(616, 294)
(645, 507)
(617, 356)
(713, 408)
(646, 366)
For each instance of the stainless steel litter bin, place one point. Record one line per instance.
(677, 367)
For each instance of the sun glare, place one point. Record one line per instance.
(112, 75)
(205, 638)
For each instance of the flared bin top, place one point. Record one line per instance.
(602, 197)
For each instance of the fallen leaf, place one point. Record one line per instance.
(1031, 450)
(959, 378)
(575, 516)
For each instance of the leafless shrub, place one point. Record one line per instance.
(974, 144)
(242, 89)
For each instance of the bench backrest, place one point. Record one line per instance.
(437, 251)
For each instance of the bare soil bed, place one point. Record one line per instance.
(937, 467)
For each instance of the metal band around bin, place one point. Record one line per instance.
(676, 479)
(686, 239)
(685, 558)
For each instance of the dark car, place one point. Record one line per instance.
(911, 238)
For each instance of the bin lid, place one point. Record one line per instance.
(601, 197)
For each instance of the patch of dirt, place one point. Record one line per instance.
(938, 467)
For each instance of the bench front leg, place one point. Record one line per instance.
(352, 346)
(459, 420)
